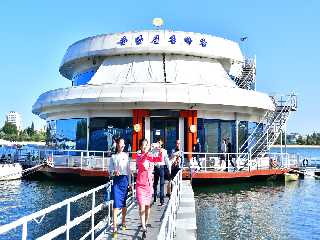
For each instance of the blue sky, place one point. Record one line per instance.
(284, 35)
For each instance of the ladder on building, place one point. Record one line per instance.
(269, 128)
(247, 77)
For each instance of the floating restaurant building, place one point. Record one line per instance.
(144, 84)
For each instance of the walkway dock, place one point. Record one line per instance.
(134, 230)
(176, 219)
(185, 222)
(186, 217)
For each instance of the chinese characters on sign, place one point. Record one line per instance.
(156, 40)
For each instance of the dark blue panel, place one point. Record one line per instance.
(83, 78)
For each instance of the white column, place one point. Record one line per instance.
(88, 133)
(181, 132)
(147, 128)
(237, 136)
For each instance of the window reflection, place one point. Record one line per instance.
(70, 134)
(212, 131)
(104, 132)
(242, 134)
(246, 129)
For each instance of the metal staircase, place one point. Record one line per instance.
(269, 128)
(247, 78)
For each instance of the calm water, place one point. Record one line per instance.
(306, 152)
(265, 210)
(241, 211)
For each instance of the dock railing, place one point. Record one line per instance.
(202, 161)
(96, 194)
(168, 225)
(218, 161)
(66, 158)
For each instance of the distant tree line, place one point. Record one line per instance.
(310, 139)
(10, 132)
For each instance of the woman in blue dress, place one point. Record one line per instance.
(120, 170)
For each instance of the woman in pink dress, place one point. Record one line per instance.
(144, 183)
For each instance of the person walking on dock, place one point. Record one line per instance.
(223, 156)
(144, 183)
(197, 148)
(176, 160)
(229, 155)
(161, 170)
(121, 175)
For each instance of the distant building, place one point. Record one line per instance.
(15, 118)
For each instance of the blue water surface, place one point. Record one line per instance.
(260, 210)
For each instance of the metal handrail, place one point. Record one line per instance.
(168, 225)
(288, 103)
(70, 223)
(252, 63)
(248, 140)
(279, 114)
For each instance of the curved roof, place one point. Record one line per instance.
(150, 69)
(149, 42)
(182, 95)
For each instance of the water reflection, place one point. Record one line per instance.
(258, 211)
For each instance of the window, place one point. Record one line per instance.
(212, 131)
(70, 134)
(104, 131)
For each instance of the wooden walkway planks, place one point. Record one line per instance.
(133, 230)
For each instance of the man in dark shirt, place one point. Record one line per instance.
(197, 149)
(229, 151)
(176, 159)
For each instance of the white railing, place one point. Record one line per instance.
(249, 70)
(67, 158)
(270, 125)
(168, 225)
(288, 160)
(99, 160)
(70, 223)
(240, 161)
(216, 161)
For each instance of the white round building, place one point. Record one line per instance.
(177, 85)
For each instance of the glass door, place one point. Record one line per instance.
(167, 129)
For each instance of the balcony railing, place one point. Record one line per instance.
(99, 160)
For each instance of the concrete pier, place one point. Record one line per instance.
(186, 216)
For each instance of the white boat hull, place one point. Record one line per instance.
(10, 171)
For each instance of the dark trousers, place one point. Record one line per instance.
(229, 158)
(158, 174)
